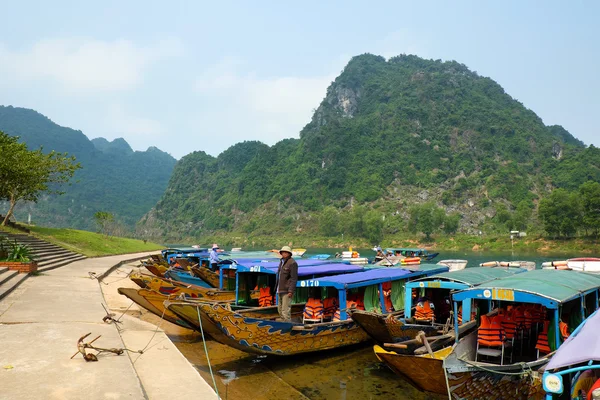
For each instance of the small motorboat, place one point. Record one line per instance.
(454, 265)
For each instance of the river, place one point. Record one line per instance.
(342, 374)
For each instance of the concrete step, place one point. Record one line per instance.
(3, 270)
(11, 284)
(61, 263)
(46, 253)
(50, 257)
(7, 276)
(43, 263)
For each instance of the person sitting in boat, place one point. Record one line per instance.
(287, 276)
(425, 310)
(214, 257)
(379, 256)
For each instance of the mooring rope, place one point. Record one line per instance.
(206, 352)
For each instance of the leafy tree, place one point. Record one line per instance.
(426, 218)
(560, 212)
(451, 223)
(590, 201)
(373, 226)
(103, 221)
(329, 221)
(25, 174)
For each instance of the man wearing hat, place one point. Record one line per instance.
(214, 257)
(287, 276)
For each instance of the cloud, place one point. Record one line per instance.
(82, 65)
(266, 108)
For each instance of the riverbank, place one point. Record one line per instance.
(494, 243)
(41, 321)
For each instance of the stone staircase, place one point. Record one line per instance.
(47, 255)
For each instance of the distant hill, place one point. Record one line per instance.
(389, 134)
(113, 177)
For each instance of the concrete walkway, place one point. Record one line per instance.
(41, 321)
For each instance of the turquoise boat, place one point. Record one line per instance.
(408, 252)
(523, 320)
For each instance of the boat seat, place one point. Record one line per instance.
(489, 352)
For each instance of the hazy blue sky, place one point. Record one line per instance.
(187, 76)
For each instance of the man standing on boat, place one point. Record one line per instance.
(214, 257)
(287, 276)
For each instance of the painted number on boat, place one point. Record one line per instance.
(433, 284)
(255, 268)
(503, 294)
(309, 283)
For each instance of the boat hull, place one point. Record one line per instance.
(208, 276)
(247, 332)
(153, 302)
(424, 372)
(389, 329)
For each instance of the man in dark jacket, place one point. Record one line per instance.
(287, 276)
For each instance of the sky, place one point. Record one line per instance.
(190, 76)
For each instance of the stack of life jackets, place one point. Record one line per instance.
(542, 343)
(491, 333)
(265, 299)
(349, 304)
(313, 309)
(425, 310)
(330, 304)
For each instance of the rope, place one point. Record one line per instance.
(206, 352)
(152, 338)
(522, 373)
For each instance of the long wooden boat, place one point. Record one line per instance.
(213, 278)
(153, 302)
(577, 360)
(543, 295)
(423, 254)
(271, 336)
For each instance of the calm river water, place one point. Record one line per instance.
(346, 373)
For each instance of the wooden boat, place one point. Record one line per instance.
(423, 254)
(578, 356)
(207, 275)
(270, 336)
(186, 277)
(545, 295)
(454, 265)
(405, 351)
(153, 302)
(171, 287)
(528, 265)
(298, 252)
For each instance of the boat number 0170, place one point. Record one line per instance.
(309, 283)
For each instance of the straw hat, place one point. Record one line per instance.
(286, 249)
(215, 246)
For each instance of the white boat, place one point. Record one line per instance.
(528, 265)
(587, 264)
(236, 249)
(454, 265)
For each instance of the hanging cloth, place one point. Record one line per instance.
(372, 302)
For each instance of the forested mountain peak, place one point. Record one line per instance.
(113, 177)
(118, 145)
(388, 134)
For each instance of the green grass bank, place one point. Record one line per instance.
(90, 244)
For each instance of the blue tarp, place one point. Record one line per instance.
(323, 269)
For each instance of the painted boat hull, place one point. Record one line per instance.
(423, 372)
(389, 328)
(245, 332)
(153, 302)
(185, 277)
(208, 276)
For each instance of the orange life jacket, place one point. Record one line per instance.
(265, 299)
(424, 310)
(509, 323)
(542, 342)
(459, 316)
(387, 296)
(330, 304)
(564, 330)
(313, 309)
(490, 331)
(349, 304)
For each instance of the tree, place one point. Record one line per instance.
(451, 223)
(426, 218)
(373, 226)
(329, 221)
(25, 174)
(590, 202)
(560, 212)
(104, 220)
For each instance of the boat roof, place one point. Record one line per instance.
(465, 278)
(581, 346)
(185, 249)
(547, 287)
(403, 249)
(307, 270)
(373, 276)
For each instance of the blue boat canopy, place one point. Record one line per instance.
(372, 277)
(327, 268)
